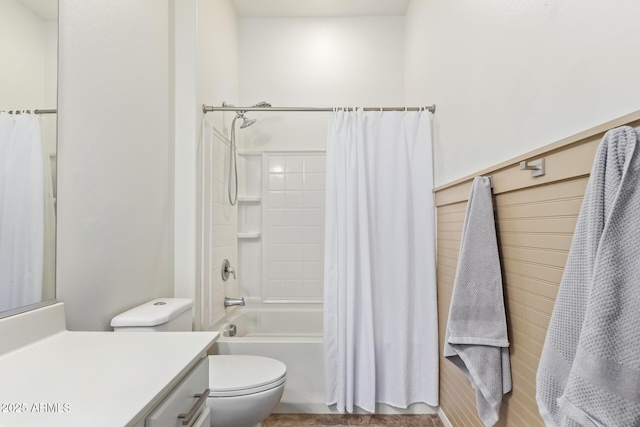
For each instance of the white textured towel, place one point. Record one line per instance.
(476, 339)
(589, 372)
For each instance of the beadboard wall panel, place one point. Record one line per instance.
(535, 221)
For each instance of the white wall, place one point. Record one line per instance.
(217, 81)
(23, 46)
(28, 75)
(509, 77)
(311, 62)
(307, 62)
(115, 204)
(186, 134)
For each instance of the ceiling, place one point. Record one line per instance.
(45, 9)
(318, 8)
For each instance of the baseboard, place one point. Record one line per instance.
(443, 418)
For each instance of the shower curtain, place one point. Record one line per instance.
(380, 318)
(27, 222)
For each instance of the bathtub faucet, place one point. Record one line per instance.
(230, 302)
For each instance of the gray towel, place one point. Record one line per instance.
(476, 339)
(589, 372)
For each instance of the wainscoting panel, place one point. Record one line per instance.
(535, 221)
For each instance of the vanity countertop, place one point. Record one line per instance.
(94, 378)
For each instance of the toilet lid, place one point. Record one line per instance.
(239, 375)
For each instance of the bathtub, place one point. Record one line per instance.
(294, 336)
(291, 335)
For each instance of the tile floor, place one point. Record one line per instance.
(338, 420)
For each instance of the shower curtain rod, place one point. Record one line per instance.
(209, 108)
(30, 111)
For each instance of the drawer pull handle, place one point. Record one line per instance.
(194, 409)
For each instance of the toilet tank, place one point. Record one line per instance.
(159, 315)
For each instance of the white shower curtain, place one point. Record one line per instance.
(26, 212)
(380, 319)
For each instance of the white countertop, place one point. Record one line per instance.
(94, 378)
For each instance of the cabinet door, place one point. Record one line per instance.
(204, 420)
(186, 403)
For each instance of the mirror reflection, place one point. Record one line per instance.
(28, 102)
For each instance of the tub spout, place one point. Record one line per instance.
(230, 302)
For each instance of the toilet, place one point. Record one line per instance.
(244, 389)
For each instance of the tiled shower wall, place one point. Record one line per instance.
(219, 228)
(293, 226)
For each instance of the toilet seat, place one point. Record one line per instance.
(231, 375)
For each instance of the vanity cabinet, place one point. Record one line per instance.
(145, 379)
(186, 405)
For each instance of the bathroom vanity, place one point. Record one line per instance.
(54, 377)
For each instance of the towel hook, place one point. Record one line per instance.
(536, 167)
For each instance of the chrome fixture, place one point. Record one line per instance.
(226, 270)
(230, 302)
(261, 107)
(232, 330)
(233, 156)
(536, 167)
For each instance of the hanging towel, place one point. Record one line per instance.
(476, 338)
(589, 372)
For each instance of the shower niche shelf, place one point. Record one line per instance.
(252, 235)
(249, 199)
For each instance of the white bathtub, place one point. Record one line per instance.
(291, 335)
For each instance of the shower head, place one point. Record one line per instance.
(246, 122)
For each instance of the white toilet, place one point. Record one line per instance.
(244, 389)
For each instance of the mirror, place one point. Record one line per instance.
(28, 82)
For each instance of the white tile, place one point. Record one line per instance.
(314, 288)
(313, 163)
(294, 199)
(277, 235)
(312, 235)
(313, 199)
(218, 171)
(295, 271)
(217, 302)
(276, 181)
(295, 217)
(312, 181)
(277, 288)
(294, 164)
(276, 217)
(293, 181)
(313, 217)
(277, 270)
(294, 253)
(217, 191)
(276, 200)
(277, 252)
(313, 252)
(277, 164)
(294, 288)
(313, 270)
(294, 234)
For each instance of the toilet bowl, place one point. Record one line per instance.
(243, 389)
